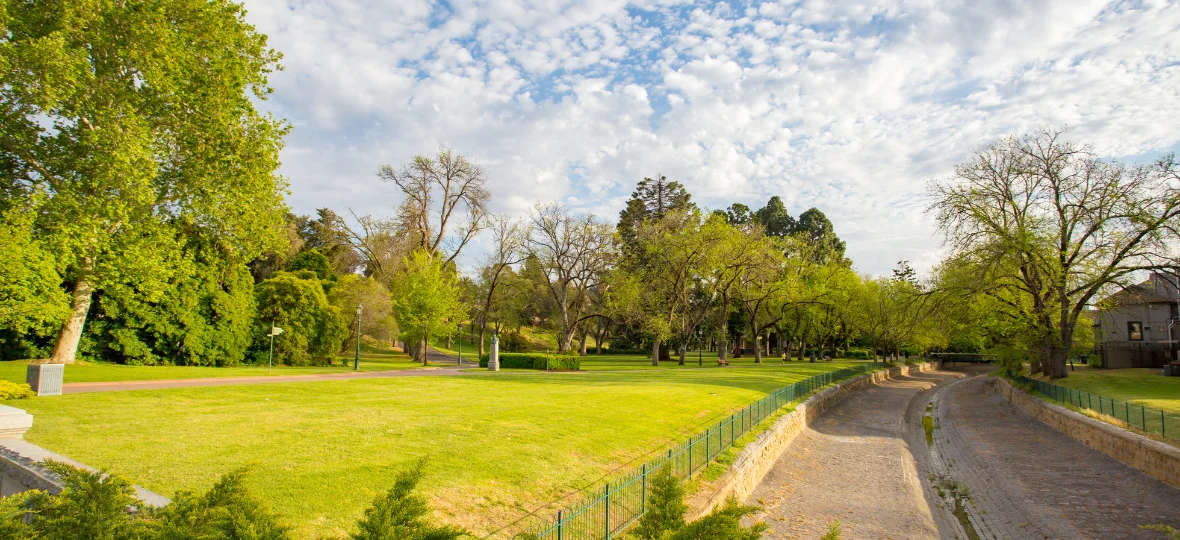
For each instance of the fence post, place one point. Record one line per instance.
(643, 491)
(559, 524)
(708, 436)
(1163, 423)
(606, 524)
(1127, 412)
(690, 445)
(1143, 414)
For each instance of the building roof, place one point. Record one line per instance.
(1156, 289)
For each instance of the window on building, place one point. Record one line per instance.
(1135, 330)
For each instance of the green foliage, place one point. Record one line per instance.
(724, 523)
(514, 342)
(1171, 532)
(228, 510)
(91, 506)
(313, 329)
(665, 507)
(314, 261)
(96, 505)
(426, 298)
(401, 514)
(833, 532)
(11, 390)
(376, 318)
(139, 129)
(31, 297)
(203, 318)
(541, 361)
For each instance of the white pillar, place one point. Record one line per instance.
(494, 354)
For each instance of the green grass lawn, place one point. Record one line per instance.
(1139, 386)
(371, 360)
(500, 445)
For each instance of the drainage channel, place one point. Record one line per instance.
(954, 494)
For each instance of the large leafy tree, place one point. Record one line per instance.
(314, 329)
(426, 301)
(135, 122)
(1049, 227)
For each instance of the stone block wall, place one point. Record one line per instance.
(1155, 458)
(758, 457)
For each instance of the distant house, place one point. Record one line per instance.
(1139, 327)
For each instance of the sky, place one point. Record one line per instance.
(848, 106)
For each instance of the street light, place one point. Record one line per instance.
(274, 331)
(460, 344)
(356, 361)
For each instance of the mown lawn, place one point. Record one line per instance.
(500, 445)
(1139, 386)
(371, 360)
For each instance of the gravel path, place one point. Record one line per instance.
(1027, 480)
(853, 465)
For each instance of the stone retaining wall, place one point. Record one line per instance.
(758, 457)
(1155, 458)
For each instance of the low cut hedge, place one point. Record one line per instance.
(541, 361)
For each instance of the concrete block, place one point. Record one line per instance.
(14, 422)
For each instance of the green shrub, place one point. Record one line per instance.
(541, 361)
(833, 532)
(1169, 532)
(11, 390)
(96, 505)
(91, 505)
(665, 507)
(722, 524)
(402, 514)
(227, 510)
(514, 342)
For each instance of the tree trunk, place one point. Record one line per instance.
(66, 347)
(722, 350)
(683, 351)
(422, 350)
(737, 346)
(482, 329)
(655, 352)
(790, 346)
(757, 349)
(1057, 362)
(802, 349)
(449, 344)
(582, 345)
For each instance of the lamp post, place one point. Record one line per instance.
(700, 348)
(356, 361)
(274, 331)
(460, 344)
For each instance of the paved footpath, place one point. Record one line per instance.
(431, 356)
(1027, 480)
(853, 465)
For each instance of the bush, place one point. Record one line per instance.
(11, 390)
(514, 342)
(858, 354)
(227, 510)
(402, 514)
(666, 508)
(541, 361)
(96, 505)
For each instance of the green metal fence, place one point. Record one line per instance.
(1139, 416)
(620, 503)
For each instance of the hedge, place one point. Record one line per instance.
(541, 361)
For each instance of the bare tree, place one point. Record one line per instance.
(381, 244)
(574, 253)
(435, 188)
(507, 249)
(1054, 226)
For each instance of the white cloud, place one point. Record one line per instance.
(847, 106)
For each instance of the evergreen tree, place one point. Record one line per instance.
(665, 507)
(401, 514)
(652, 199)
(775, 218)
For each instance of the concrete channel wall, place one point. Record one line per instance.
(1155, 458)
(752, 464)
